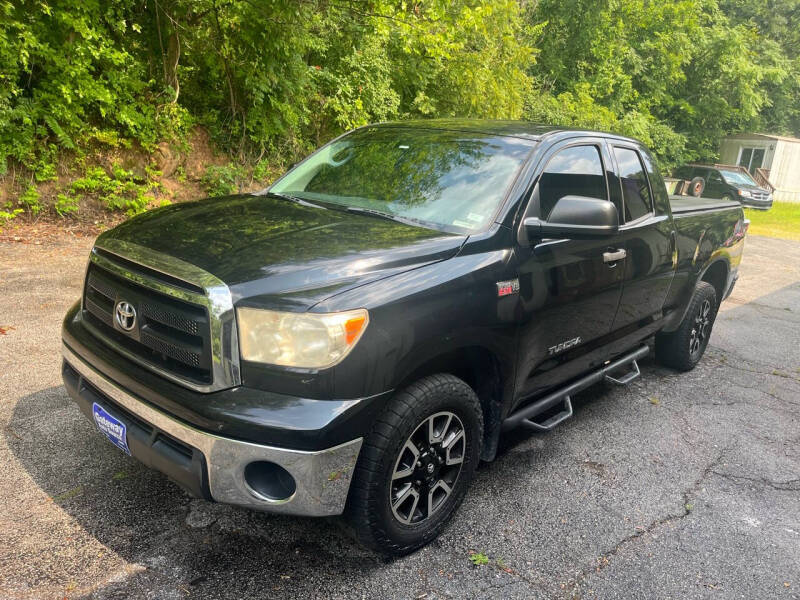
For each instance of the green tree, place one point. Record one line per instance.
(274, 76)
(680, 75)
(271, 79)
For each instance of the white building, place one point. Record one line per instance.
(769, 158)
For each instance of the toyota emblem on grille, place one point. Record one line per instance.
(125, 315)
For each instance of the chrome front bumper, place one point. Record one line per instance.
(322, 478)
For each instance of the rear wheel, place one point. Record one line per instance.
(683, 348)
(415, 465)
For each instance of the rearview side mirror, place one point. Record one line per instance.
(576, 217)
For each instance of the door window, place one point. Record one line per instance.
(574, 171)
(635, 188)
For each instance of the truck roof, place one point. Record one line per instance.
(508, 128)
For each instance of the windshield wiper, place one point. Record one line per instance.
(289, 198)
(360, 210)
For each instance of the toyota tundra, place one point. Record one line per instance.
(356, 338)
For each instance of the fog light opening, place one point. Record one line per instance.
(269, 481)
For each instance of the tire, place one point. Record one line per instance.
(697, 186)
(381, 512)
(683, 348)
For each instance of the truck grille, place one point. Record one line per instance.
(167, 333)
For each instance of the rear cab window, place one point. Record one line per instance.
(636, 195)
(657, 184)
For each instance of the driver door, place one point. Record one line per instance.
(569, 291)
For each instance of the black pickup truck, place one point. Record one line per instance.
(353, 340)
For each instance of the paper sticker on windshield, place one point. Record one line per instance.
(465, 224)
(474, 217)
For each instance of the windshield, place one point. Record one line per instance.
(737, 177)
(445, 180)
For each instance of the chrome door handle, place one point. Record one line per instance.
(610, 257)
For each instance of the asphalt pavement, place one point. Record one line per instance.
(677, 486)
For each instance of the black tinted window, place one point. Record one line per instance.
(635, 190)
(576, 171)
(656, 180)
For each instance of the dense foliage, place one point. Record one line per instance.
(270, 79)
(679, 75)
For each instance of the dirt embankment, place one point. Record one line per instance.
(171, 173)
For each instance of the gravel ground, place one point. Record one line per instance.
(678, 486)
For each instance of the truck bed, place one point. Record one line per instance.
(689, 204)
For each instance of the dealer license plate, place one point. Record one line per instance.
(113, 428)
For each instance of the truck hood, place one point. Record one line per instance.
(278, 254)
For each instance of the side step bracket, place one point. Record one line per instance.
(524, 416)
(628, 377)
(553, 421)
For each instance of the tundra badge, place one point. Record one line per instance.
(558, 348)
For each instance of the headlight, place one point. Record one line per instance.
(307, 340)
(745, 193)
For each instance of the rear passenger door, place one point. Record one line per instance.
(646, 235)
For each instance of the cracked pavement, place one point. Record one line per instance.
(677, 486)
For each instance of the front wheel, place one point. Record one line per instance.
(683, 348)
(415, 465)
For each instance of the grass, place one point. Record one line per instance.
(781, 221)
(478, 559)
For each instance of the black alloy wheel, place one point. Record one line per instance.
(683, 348)
(415, 465)
(427, 468)
(698, 338)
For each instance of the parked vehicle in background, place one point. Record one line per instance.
(726, 184)
(354, 339)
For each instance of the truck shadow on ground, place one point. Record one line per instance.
(146, 519)
(175, 540)
(182, 545)
(594, 394)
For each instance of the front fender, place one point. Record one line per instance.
(421, 314)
